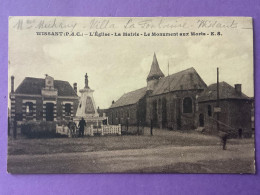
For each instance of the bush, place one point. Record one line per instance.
(132, 130)
(39, 129)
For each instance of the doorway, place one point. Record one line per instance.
(49, 111)
(201, 120)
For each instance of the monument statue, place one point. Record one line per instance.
(86, 81)
(87, 108)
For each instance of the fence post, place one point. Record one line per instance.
(119, 129)
(91, 130)
(102, 129)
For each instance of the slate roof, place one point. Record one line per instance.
(155, 70)
(184, 80)
(33, 86)
(226, 91)
(130, 98)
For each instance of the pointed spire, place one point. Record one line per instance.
(155, 72)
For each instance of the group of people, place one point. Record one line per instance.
(81, 126)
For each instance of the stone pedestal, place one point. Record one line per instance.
(87, 110)
(86, 107)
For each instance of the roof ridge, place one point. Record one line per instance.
(26, 87)
(134, 90)
(191, 68)
(220, 82)
(133, 95)
(44, 79)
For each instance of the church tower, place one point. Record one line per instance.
(154, 75)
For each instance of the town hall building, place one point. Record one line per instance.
(37, 99)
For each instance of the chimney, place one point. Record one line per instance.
(238, 88)
(12, 84)
(75, 87)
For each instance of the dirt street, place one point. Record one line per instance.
(162, 158)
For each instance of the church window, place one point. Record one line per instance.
(154, 111)
(187, 105)
(128, 113)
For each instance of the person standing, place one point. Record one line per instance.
(151, 128)
(82, 124)
(224, 140)
(72, 127)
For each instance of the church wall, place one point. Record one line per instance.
(175, 118)
(123, 115)
(141, 111)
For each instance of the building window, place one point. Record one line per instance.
(67, 109)
(119, 117)
(187, 105)
(209, 110)
(112, 118)
(29, 108)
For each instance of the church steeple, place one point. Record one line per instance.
(155, 71)
(154, 75)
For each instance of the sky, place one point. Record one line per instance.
(117, 65)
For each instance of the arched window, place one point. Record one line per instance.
(29, 108)
(187, 105)
(154, 111)
(67, 109)
(209, 110)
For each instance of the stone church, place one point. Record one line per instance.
(167, 101)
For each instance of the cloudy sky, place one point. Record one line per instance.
(117, 65)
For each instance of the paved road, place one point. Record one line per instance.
(118, 161)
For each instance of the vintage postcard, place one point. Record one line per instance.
(131, 95)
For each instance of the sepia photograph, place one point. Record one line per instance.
(131, 95)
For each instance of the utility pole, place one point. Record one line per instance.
(169, 75)
(218, 99)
